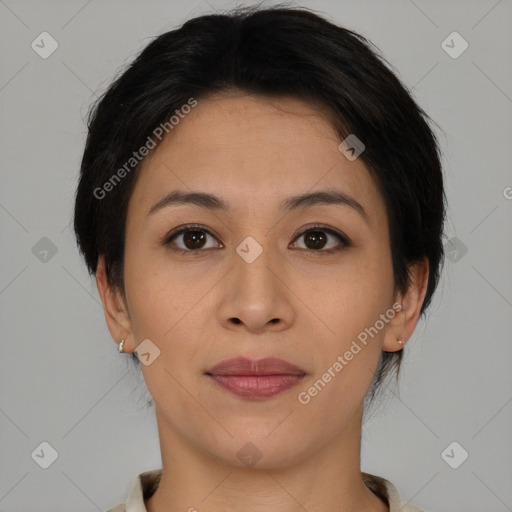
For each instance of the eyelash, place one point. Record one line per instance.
(345, 242)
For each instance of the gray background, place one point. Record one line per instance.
(62, 380)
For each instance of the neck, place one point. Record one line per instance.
(328, 480)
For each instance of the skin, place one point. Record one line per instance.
(291, 302)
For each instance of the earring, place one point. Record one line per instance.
(400, 342)
(121, 346)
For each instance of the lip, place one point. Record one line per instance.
(247, 366)
(256, 379)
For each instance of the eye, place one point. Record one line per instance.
(192, 237)
(316, 239)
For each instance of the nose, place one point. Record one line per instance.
(257, 297)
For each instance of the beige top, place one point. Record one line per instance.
(146, 484)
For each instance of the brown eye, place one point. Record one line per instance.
(189, 239)
(317, 238)
(194, 239)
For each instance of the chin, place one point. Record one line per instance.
(260, 450)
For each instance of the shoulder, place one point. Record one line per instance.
(388, 492)
(118, 508)
(143, 487)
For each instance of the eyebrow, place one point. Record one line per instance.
(301, 201)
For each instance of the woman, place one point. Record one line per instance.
(261, 202)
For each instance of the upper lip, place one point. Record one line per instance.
(246, 366)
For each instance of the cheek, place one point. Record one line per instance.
(156, 299)
(167, 305)
(350, 305)
(159, 308)
(354, 296)
(347, 355)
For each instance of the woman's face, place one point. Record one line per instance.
(257, 279)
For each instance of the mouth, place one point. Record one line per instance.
(256, 379)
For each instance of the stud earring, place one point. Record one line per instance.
(121, 349)
(400, 342)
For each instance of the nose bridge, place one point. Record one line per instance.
(256, 295)
(253, 267)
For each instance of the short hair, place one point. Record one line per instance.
(276, 51)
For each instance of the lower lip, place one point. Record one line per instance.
(256, 386)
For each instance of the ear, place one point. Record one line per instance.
(116, 313)
(402, 325)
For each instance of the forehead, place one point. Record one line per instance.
(253, 151)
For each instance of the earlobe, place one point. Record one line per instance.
(402, 326)
(116, 316)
